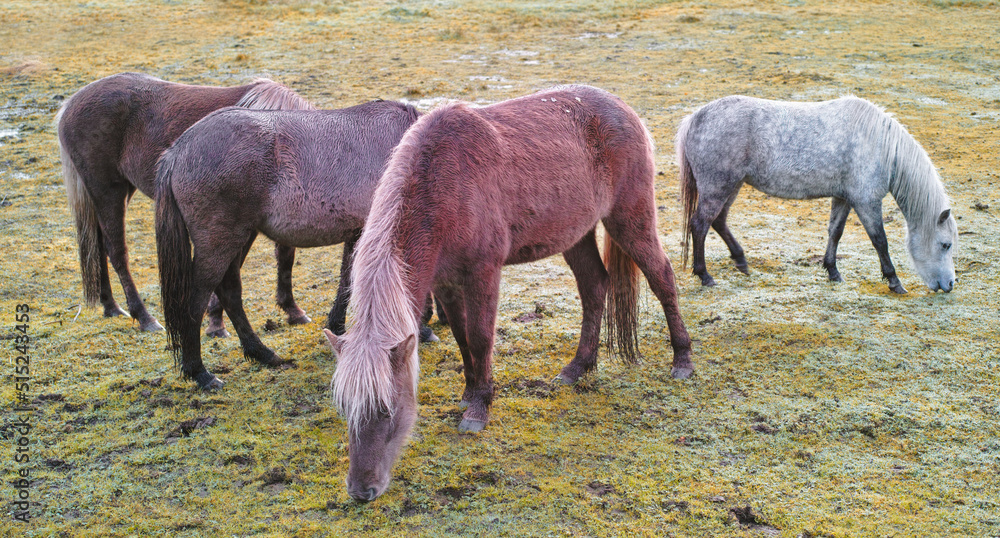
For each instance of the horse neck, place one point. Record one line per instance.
(915, 185)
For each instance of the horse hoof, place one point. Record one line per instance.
(469, 425)
(836, 278)
(114, 311)
(898, 288)
(151, 326)
(207, 381)
(681, 372)
(743, 269)
(300, 319)
(561, 380)
(427, 335)
(707, 281)
(217, 333)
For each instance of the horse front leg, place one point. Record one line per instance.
(592, 283)
(336, 322)
(839, 210)
(285, 256)
(870, 216)
(452, 300)
(481, 292)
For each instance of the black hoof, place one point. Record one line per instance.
(299, 319)
(743, 269)
(207, 381)
(427, 335)
(707, 281)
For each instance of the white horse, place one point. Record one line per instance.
(848, 149)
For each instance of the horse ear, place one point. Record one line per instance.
(944, 216)
(402, 352)
(335, 343)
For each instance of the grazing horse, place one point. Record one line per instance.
(302, 178)
(468, 191)
(111, 133)
(847, 149)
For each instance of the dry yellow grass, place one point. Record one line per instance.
(828, 410)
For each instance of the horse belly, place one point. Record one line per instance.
(306, 225)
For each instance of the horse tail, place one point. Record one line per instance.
(173, 252)
(88, 230)
(689, 189)
(622, 310)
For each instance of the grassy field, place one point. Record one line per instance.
(816, 409)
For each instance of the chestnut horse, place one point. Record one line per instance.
(302, 178)
(111, 133)
(468, 191)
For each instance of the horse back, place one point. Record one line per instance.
(535, 173)
(303, 178)
(119, 125)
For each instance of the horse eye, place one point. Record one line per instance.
(946, 246)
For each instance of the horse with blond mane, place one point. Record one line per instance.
(467, 191)
(846, 149)
(111, 133)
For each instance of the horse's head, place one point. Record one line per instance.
(379, 418)
(931, 249)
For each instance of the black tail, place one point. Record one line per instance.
(173, 251)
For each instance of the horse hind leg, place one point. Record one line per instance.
(722, 228)
(216, 325)
(592, 283)
(111, 203)
(636, 235)
(839, 210)
(111, 308)
(285, 256)
(230, 293)
(712, 205)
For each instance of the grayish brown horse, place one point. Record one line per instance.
(302, 178)
(468, 191)
(847, 149)
(111, 133)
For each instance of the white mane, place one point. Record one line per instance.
(382, 310)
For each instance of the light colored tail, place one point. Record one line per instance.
(689, 189)
(622, 310)
(88, 231)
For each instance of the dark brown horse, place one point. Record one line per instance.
(111, 133)
(468, 191)
(302, 178)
